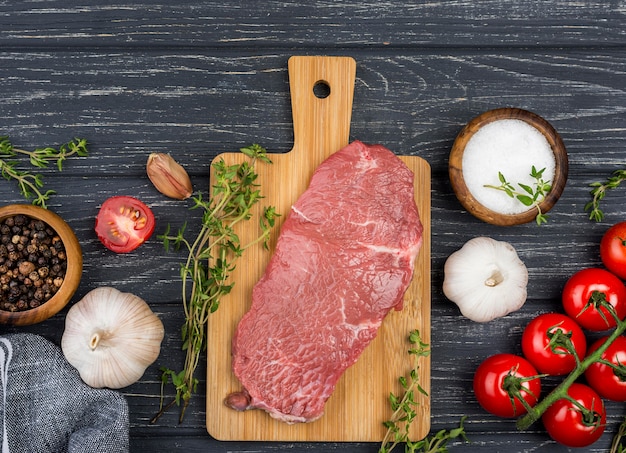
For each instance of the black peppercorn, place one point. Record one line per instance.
(33, 263)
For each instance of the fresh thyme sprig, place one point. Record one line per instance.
(617, 443)
(437, 443)
(29, 184)
(599, 192)
(404, 410)
(211, 258)
(528, 196)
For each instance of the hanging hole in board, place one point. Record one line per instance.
(321, 89)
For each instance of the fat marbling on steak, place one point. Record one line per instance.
(344, 259)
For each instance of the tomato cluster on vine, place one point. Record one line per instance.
(555, 344)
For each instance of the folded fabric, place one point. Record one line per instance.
(46, 407)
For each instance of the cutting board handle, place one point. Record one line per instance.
(322, 90)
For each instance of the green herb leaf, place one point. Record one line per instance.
(527, 188)
(598, 193)
(525, 200)
(531, 196)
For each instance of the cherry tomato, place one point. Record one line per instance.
(499, 372)
(586, 291)
(124, 223)
(544, 339)
(613, 249)
(607, 381)
(566, 423)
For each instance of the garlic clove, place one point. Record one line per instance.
(111, 338)
(486, 279)
(168, 176)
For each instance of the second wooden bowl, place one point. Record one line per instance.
(455, 166)
(73, 273)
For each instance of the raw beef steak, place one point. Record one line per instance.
(344, 259)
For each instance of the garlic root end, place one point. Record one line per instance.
(94, 341)
(494, 279)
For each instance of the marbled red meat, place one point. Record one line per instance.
(344, 259)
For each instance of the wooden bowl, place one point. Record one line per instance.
(455, 166)
(73, 272)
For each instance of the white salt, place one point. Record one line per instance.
(511, 147)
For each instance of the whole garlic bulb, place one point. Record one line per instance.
(111, 338)
(486, 279)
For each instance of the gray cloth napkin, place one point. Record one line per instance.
(46, 407)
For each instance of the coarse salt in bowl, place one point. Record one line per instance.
(510, 142)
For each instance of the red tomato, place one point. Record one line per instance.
(566, 423)
(613, 249)
(124, 223)
(604, 379)
(586, 291)
(543, 343)
(499, 372)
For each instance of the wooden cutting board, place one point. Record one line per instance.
(359, 405)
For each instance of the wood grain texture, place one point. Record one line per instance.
(321, 127)
(318, 24)
(197, 79)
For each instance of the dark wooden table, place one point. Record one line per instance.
(197, 78)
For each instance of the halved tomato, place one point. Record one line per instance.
(124, 223)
